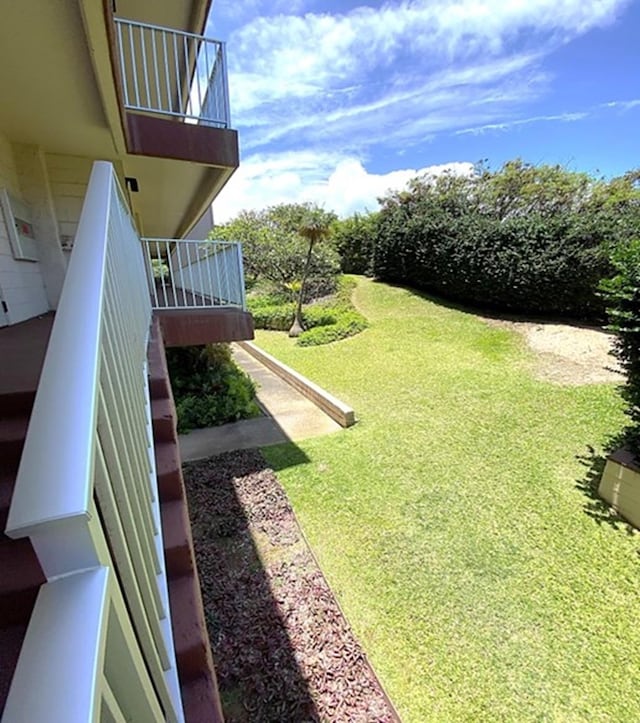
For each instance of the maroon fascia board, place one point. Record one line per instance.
(191, 327)
(162, 138)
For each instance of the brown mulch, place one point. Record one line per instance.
(282, 648)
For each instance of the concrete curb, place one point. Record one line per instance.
(337, 410)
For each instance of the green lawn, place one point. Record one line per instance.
(450, 524)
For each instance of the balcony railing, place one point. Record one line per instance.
(194, 274)
(99, 644)
(173, 73)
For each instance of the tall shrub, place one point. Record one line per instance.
(275, 255)
(354, 238)
(529, 239)
(622, 293)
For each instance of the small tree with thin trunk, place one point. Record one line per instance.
(314, 228)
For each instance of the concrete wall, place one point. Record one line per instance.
(21, 282)
(620, 485)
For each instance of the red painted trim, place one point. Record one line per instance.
(193, 327)
(162, 138)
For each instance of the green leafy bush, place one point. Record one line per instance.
(326, 320)
(529, 239)
(276, 317)
(208, 388)
(275, 252)
(354, 239)
(622, 294)
(345, 324)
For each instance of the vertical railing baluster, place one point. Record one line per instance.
(185, 51)
(225, 86)
(161, 272)
(134, 66)
(212, 298)
(155, 68)
(145, 70)
(123, 65)
(178, 95)
(166, 71)
(243, 291)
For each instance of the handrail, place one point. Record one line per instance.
(86, 491)
(192, 274)
(80, 657)
(173, 73)
(54, 478)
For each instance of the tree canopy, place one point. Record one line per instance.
(275, 251)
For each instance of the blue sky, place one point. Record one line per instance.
(336, 102)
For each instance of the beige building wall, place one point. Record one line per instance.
(69, 178)
(21, 282)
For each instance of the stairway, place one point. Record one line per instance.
(22, 349)
(195, 666)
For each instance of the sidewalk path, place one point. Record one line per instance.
(289, 416)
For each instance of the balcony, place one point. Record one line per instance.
(172, 73)
(173, 88)
(197, 290)
(98, 511)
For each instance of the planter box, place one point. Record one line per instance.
(620, 485)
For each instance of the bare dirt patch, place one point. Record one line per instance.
(567, 354)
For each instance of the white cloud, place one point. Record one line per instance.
(561, 117)
(314, 94)
(323, 80)
(337, 183)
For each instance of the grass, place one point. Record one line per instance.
(450, 523)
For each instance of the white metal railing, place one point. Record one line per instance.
(86, 489)
(194, 274)
(80, 660)
(174, 73)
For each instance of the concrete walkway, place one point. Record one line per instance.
(289, 416)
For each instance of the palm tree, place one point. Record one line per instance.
(314, 227)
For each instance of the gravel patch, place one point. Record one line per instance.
(283, 650)
(567, 354)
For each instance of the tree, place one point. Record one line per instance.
(314, 226)
(354, 238)
(274, 252)
(524, 238)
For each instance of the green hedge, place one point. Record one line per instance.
(208, 388)
(325, 321)
(622, 294)
(345, 324)
(534, 240)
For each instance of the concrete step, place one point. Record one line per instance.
(12, 434)
(189, 629)
(201, 700)
(20, 580)
(11, 638)
(164, 420)
(7, 482)
(177, 538)
(169, 471)
(15, 404)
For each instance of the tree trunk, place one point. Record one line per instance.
(297, 328)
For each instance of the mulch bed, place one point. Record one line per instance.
(282, 648)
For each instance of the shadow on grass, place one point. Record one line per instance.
(258, 674)
(282, 456)
(595, 507)
(491, 312)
